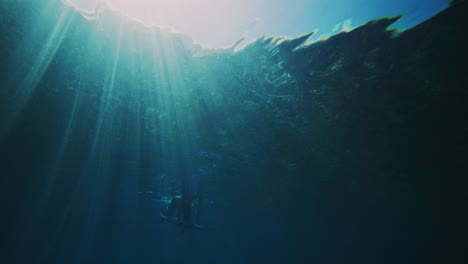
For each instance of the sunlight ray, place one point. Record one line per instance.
(34, 74)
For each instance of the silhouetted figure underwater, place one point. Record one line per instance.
(185, 209)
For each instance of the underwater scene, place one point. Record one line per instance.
(233, 131)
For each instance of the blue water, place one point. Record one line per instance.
(346, 150)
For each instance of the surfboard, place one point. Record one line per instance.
(173, 220)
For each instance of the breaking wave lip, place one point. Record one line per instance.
(199, 49)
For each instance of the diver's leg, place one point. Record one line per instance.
(179, 216)
(187, 207)
(199, 208)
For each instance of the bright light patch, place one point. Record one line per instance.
(212, 23)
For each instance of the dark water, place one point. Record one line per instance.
(350, 150)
